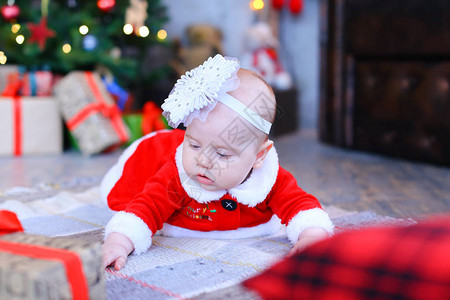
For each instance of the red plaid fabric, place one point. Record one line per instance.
(380, 263)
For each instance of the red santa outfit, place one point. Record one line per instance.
(152, 192)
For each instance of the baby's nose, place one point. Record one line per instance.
(204, 161)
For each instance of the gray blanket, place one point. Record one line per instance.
(172, 267)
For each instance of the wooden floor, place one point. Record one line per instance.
(362, 181)
(347, 179)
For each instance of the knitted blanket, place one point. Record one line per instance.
(172, 267)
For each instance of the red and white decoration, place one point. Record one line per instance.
(295, 6)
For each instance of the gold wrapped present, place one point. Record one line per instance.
(39, 267)
(90, 112)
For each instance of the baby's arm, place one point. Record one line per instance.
(308, 237)
(116, 249)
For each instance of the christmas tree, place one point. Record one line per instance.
(66, 35)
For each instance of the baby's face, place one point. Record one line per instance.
(220, 152)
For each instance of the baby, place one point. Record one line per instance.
(218, 179)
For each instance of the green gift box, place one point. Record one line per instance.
(134, 124)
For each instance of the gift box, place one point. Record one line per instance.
(40, 267)
(5, 71)
(37, 83)
(16, 80)
(30, 125)
(142, 123)
(134, 124)
(90, 112)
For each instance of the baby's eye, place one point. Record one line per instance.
(193, 146)
(224, 156)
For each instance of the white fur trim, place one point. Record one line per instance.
(315, 217)
(116, 171)
(133, 227)
(252, 192)
(271, 227)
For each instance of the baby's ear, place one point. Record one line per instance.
(262, 154)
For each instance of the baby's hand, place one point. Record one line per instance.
(308, 237)
(116, 249)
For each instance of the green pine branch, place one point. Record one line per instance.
(104, 28)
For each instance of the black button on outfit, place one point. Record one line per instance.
(229, 204)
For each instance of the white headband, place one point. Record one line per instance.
(245, 112)
(196, 93)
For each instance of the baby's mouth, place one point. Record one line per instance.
(204, 179)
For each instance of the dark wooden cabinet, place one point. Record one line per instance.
(286, 117)
(385, 77)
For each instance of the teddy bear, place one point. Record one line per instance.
(261, 56)
(200, 42)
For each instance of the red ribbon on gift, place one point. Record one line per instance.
(13, 86)
(12, 90)
(111, 112)
(9, 223)
(17, 113)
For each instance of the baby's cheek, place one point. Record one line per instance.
(237, 171)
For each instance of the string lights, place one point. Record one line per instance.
(256, 4)
(161, 35)
(15, 28)
(128, 29)
(105, 5)
(20, 39)
(3, 58)
(66, 48)
(83, 29)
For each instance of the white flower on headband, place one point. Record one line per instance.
(195, 94)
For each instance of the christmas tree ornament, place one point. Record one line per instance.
(90, 42)
(52, 35)
(277, 4)
(10, 12)
(40, 33)
(136, 13)
(296, 6)
(115, 53)
(106, 5)
(72, 3)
